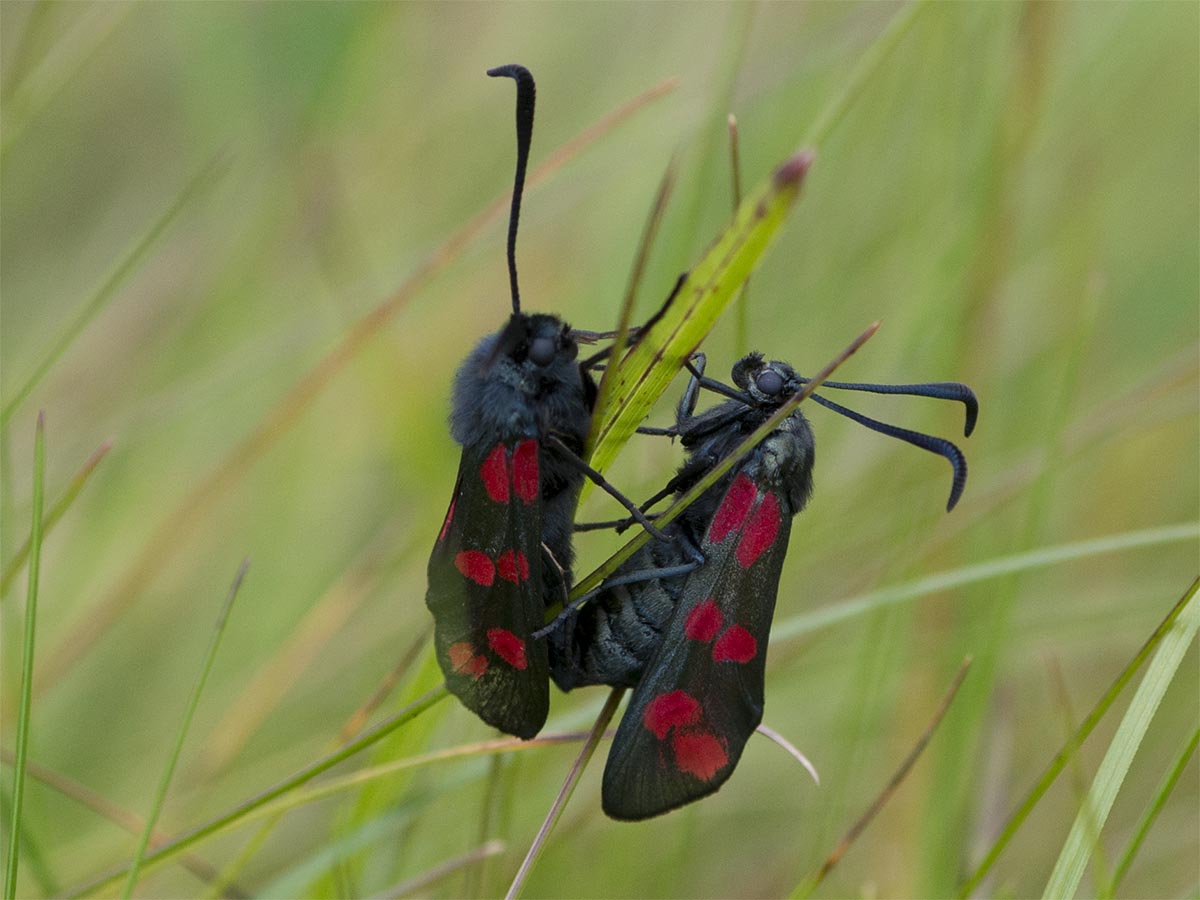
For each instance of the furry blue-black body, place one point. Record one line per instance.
(521, 399)
(504, 551)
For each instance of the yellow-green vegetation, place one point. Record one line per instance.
(248, 244)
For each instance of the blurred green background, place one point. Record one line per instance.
(1013, 192)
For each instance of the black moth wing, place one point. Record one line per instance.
(485, 588)
(701, 695)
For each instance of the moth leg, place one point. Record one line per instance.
(687, 403)
(629, 578)
(562, 574)
(603, 484)
(618, 525)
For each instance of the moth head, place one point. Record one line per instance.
(769, 383)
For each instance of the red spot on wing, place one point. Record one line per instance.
(513, 566)
(464, 660)
(699, 753)
(449, 518)
(760, 533)
(703, 622)
(476, 565)
(733, 510)
(506, 565)
(672, 710)
(508, 647)
(525, 470)
(494, 473)
(735, 645)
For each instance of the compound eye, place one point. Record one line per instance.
(541, 351)
(769, 382)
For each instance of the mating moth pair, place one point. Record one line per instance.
(686, 620)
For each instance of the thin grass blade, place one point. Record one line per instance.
(56, 511)
(806, 887)
(568, 788)
(1077, 850)
(31, 848)
(234, 816)
(1059, 762)
(806, 623)
(164, 783)
(724, 268)
(24, 709)
(118, 815)
(449, 867)
(648, 369)
(208, 175)
(625, 316)
(1160, 799)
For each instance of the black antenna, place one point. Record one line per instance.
(940, 446)
(526, 94)
(939, 390)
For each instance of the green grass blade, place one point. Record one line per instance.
(625, 317)
(645, 373)
(1077, 850)
(809, 884)
(57, 509)
(331, 786)
(717, 279)
(1152, 811)
(242, 810)
(1059, 762)
(31, 848)
(189, 713)
(806, 623)
(23, 711)
(832, 115)
(564, 795)
(208, 174)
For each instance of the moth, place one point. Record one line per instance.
(521, 410)
(691, 639)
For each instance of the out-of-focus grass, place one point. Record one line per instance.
(1014, 195)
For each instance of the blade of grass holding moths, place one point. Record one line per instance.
(723, 269)
(625, 317)
(676, 509)
(1077, 851)
(708, 288)
(26, 702)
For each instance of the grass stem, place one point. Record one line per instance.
(164, 784)
(26, 702)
